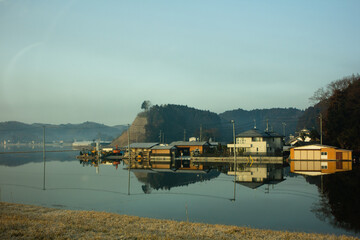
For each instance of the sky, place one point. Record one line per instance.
(76, 61)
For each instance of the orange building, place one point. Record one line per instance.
(319, 159)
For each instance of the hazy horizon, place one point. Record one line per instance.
(77, 61)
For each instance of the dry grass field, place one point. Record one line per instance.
(19, 221)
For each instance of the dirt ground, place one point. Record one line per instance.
(19, 221)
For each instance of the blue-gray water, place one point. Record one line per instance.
(293, 204)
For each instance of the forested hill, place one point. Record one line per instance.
(276, 119)
(15, 132)
(176, 122)
(168, 123)
(339, 104)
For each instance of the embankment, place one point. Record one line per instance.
(18, 221)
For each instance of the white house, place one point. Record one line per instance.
(303, 137)
(255, 141)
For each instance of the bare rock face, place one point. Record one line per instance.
(137, 132)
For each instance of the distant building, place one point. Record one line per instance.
(319, 159)
(259, 142)
(82, 143)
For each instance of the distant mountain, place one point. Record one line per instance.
(165, 123)
(14, 132)
(275, 119)
(171, 122)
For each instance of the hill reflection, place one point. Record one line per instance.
(168, 180)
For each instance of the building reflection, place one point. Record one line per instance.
(259, 174)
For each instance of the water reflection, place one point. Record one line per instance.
(166, 176)
(334, 208)
(256, 175)
(340, 199)
(167, 180)
(19, 155)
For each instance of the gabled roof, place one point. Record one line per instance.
(258, 133)
(143, 145)
(184, 143)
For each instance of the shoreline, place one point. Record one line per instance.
(19, 221)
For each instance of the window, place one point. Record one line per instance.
(240, 140)
(324, 155)
(257, 149)
(324, 165)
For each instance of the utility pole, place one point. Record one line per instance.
(200, 132)
(233, 122)
(160, 136)
(44, 159)
(129, 153)
(254, 123)
(267, 125)
(321, 129)
(284, 125)
(184, 135)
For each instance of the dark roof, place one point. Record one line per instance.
(184, 143)
(258, 133)
(143, 145)
(159, 147)
(214, 143)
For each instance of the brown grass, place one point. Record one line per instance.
(19, 221)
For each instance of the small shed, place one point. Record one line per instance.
(319, 159)
(141, 151)
(161, 150)
(189, 148)
(162, 156)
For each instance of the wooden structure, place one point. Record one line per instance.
(141, 151)
(191, 148)
(319, 159)
(162, 157)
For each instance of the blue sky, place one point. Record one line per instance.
(76, 61)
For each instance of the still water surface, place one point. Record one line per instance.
(294, 204)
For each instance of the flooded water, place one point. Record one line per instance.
(287, 202)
